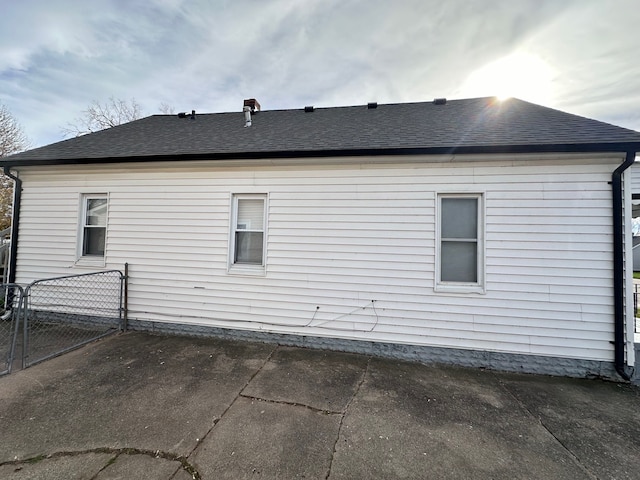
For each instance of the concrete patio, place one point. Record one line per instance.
(157, 407)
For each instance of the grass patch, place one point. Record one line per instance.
(636, 275)
(36, 459)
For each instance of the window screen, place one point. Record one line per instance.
(249, 230)
(459, 219)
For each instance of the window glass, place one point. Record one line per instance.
(96, 211)
(459, 262)
(635, 231)
(459, 239)
(94, 241)
(250, 214)
(249, 247)
(459, 217)
(249, 230)
(94, 226)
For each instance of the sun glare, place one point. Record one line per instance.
(520, 75)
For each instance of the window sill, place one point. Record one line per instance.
(460, 288)
(90, 262)
(251, 270)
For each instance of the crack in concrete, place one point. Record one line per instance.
(108, 464)
(183, 460)
(291, 404)
(344, 414)
(239, 395)
(522, 405)
(173, 457)
(257, 372)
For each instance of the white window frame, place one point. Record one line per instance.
(462, 287)
(82, 258)
(247, 268)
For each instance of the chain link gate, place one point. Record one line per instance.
(64, 313)
(12, 297)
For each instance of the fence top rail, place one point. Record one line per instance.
(21, 291)
(5, 286)
(64, 277)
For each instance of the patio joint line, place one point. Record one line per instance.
(239, 395)
(549, 431)
(344, 414)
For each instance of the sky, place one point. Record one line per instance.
(57, 56)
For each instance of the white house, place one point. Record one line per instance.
(474, 232)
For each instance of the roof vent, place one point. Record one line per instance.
(250, 106)
(253, 104)
(247, 115)
(193, 115)
(309, 108)
(185, 114)
(182, 115)
(371, 105)
(439, 101)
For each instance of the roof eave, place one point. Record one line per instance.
(360, 152)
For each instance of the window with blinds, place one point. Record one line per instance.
(94, 225)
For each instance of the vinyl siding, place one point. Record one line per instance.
(351, 249)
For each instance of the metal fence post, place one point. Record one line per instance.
(125, 300)
(25, 327)
(10, 325)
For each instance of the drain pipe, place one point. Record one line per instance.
(618, 268)
(15, 221)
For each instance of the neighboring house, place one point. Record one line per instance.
(635, 213)
(473, 232)
(635, 180)
(636, 254)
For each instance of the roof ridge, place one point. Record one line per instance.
(334, 107)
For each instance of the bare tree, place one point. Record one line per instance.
(6, 201)
(12, 140)
(12, 136)
(99, 116)
(166, 109)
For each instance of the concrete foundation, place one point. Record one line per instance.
(507, 362)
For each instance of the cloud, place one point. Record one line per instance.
(593, 47)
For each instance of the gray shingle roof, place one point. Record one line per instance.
(464, 126)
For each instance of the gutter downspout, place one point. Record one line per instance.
(15, 222)
(618, 268)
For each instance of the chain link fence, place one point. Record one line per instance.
(64, 313)
(12, 297)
